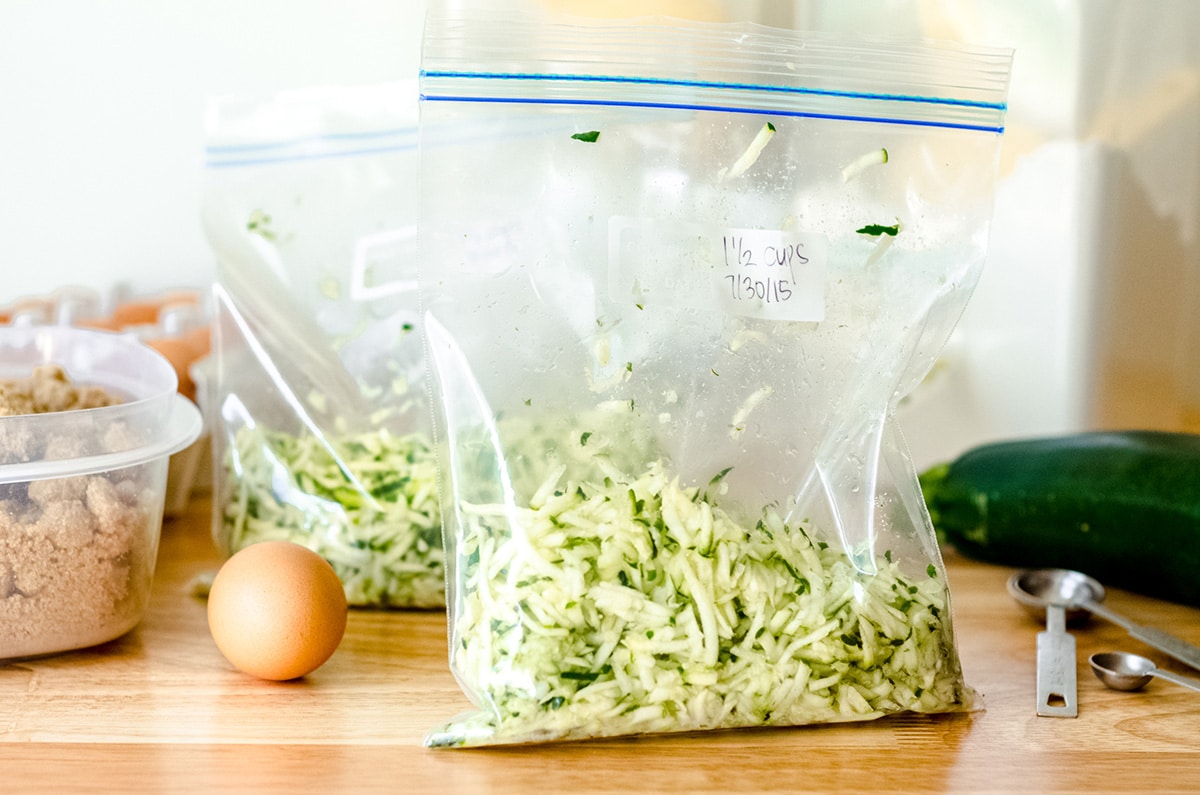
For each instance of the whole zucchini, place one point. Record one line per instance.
(1121, 506)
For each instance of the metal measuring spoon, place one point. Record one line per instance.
(1121, 670)
(1056, 690)
(1038, 588)
(1056, 679)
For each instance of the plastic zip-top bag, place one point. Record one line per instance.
(320, 423)
(671, 305)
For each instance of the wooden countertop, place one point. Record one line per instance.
(160, 710)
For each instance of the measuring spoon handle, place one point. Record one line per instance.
(1187, 682)
(1056, 687)
(1167, 644)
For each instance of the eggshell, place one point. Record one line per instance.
(277, 610)
(179, 353)
(102, 323)
(135, 312)
(199, 342)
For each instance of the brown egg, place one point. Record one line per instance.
(179, 353)
(131, 313)
(199, 341)
(102, 323)
(277, 610)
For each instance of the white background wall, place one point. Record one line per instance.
(101, 137)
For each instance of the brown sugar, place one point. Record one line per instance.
(76, 553)
(48, 390)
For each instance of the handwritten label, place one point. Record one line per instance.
(769, 274)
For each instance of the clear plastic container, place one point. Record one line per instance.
(82, 491)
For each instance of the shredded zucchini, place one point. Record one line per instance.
(626, 605)
(366, 502)
(750, 156)
(875, 157)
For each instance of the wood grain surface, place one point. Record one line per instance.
(160, 710)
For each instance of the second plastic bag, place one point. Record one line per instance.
(671, 307)
(316, 398)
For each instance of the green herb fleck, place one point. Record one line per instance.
(583, 438)
(580, 676)
(589, 137)
(717, 478)
(931, 570)
(875, 230)
(259, 224)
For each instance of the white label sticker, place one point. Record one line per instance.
(384, 264)
(770, 274)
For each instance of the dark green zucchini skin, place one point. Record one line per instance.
(1121, 506)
